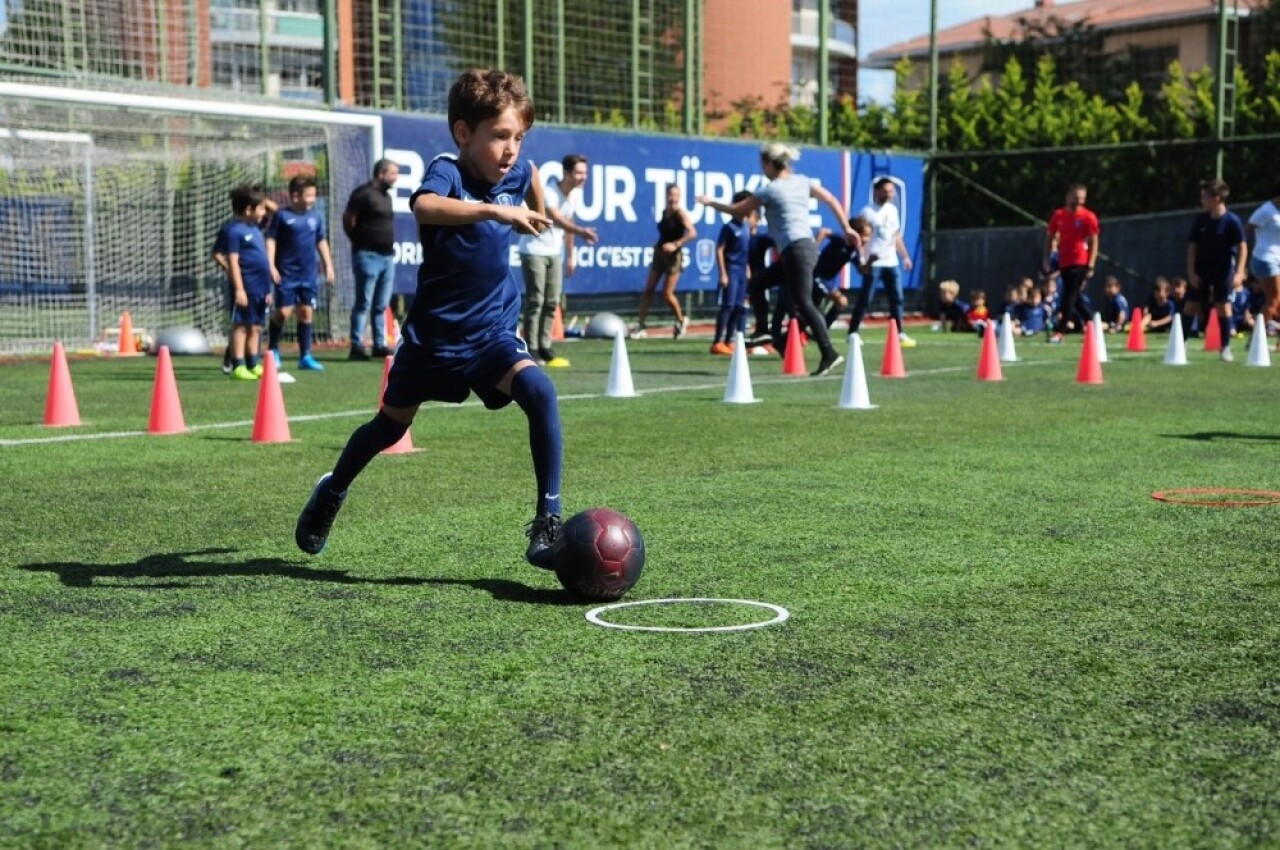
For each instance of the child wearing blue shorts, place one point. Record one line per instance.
(460, 334)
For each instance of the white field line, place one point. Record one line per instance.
(346, 414)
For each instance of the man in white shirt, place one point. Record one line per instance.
(885, 249)
(541, 257)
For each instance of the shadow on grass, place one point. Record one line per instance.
(512, 591)
(1211, 436)
(178, 565)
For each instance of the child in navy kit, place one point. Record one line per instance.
(460, 335)
(731, 255)
(220, 259)
(1162, 309)
(250, 273)
(1117, 314)
(295, 238)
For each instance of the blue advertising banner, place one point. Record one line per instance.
(625, 191)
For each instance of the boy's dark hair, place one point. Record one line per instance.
(1218, 188)
(301, 183)
(246, 195)
(740, 195)
(1275, 190)
(380, 167)
(571, 161)
(479, 95)
(881, 181)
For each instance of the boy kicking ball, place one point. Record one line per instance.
(460, 335)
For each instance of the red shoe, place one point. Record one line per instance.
(722, 349)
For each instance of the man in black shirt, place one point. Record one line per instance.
(369, 224)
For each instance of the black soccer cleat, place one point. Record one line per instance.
(827, 364)
(542, 531)
(312, 531)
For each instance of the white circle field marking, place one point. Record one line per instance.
(780, 615)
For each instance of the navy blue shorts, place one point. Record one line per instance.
(252, 315)
(292, 295)
(418, 375)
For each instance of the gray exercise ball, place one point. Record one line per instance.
(182, 340)
(605, 326)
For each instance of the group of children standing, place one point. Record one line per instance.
(272, 259)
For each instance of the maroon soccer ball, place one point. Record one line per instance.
(598, 554)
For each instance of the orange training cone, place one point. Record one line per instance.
(892, 367)
(392, 328)
(793, 357)
(60, 410)
(1213, 333)
(404, 445)
(1137, 336)
(557, 326)
(989, 362)
(270, 422)
(166, 409)
(1090, 370)
(128, 345)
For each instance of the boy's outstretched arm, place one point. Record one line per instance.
(434, 209)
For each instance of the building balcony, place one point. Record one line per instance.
(841, 35)
(301, 30)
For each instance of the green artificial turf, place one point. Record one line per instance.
(997, 637)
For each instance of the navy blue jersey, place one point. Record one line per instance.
(220, 241)
(248, 242)
(1030, 316)
(735, 238)
(1157, 309)
(759, 248)
(465, 286)
(1217, 242)
(297, 236)
(831, 259)
(1115, 306)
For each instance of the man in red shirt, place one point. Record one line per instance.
(1073, 233)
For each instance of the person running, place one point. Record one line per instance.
(786, 203)
(675, 230)
(460, 334)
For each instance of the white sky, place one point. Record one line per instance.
(886, 22)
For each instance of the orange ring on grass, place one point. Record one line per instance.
(1262, 498)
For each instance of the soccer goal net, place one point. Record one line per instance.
(111, 202)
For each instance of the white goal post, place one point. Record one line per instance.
(110, 201)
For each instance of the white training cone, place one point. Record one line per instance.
(1008, 354)
(1176, 353)
(1100, 336)
(1259, 355)
(738, 390)
(620, 385)
(853, 394)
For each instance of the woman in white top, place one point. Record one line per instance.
(1264, 260)
(786, 203)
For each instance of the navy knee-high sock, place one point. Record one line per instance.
(304, 339)
(1224, 325)
(365, 442)
(536, 395)
(273, 335)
